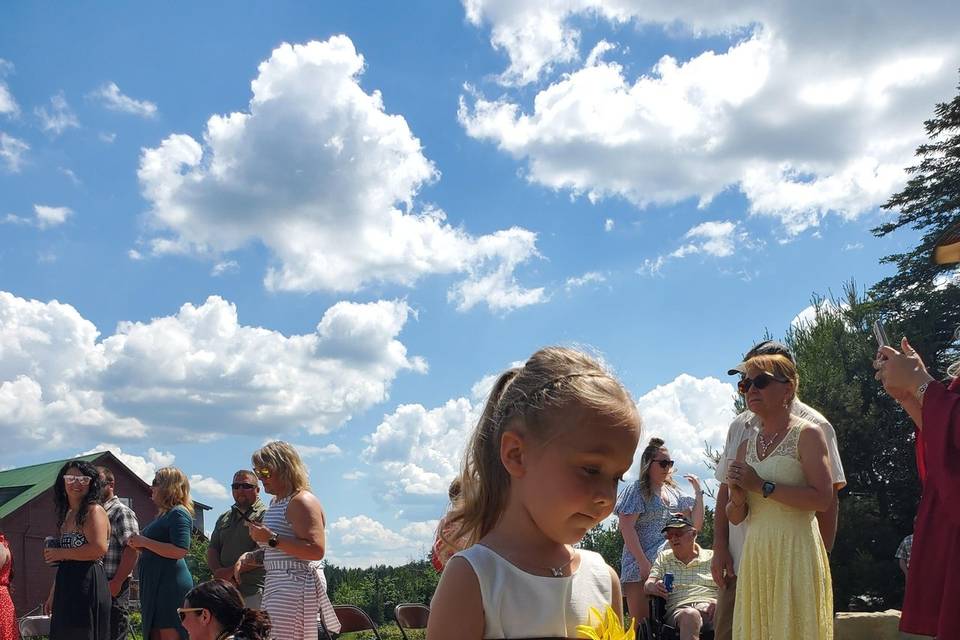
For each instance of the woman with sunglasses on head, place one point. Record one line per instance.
(163, 544)
(214, 610)
(644, 508)
(293, 544)
(780, 479)
(79, 602)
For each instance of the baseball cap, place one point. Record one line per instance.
(946, 250)
(765, 348)
(676, 521)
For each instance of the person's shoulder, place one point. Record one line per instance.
(95, 508)
(706, 555)
(802, 410)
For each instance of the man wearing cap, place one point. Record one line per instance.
(231, 539)
(692, 600)
(729, 538)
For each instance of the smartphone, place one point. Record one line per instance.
(880, 334)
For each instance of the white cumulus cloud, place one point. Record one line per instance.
(194, 375)
(320, 173)
(110, 96)
(144, 466)
(803, 119)
(204, 487)
(47, 216)
(361, 541)
(716, 238)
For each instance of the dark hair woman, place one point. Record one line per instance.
(79, 602)
(214, 610)
(8, 618)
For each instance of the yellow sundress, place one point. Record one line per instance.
(784, 589)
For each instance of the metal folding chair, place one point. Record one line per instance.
(34, 623)
(411, 616)
(351, 619)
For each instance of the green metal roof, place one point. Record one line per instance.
(20, 486)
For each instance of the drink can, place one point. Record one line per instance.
(668, 582)
(51, 542)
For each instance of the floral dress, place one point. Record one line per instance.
(653, 513)
(8, 619)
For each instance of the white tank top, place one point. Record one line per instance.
(517, 604)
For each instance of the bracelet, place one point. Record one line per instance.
(921, 390)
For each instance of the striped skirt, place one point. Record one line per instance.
(295, 597)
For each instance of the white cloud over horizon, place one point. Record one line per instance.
(192, 376)
(323, 176)
(801, 119)
(362, 541)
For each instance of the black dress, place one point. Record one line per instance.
(81, 597)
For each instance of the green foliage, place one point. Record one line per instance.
(605, 540)
(378, 590)
(197, 559)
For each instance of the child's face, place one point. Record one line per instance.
(571, 481)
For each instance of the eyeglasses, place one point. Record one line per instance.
(760, 382)
(183, 612)
(243, 485)
(664, 464)
(263, 473)
(70, 479)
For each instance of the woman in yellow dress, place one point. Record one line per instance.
(779, 481)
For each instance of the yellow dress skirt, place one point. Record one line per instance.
(784, 589)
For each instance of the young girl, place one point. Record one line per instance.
(541, 469)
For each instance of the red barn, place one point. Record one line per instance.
(27, 516)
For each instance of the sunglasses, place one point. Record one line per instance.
(664, 464)
(70, 479)
(184, 611)
(243, 485)
(263, 474)
(760, 382)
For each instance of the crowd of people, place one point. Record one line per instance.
(542, 468)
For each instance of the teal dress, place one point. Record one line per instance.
(164, 582)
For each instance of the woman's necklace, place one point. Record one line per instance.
(555, 572)
(764, 445)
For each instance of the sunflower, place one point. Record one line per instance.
(609, 627)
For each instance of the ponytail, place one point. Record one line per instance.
(254, 625)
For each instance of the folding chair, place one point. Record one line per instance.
(411, 616)
(351, 619)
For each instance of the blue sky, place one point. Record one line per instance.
(331, 223)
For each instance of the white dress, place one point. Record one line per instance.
(517, 604)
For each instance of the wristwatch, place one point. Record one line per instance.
(768, 488)
(274, 540)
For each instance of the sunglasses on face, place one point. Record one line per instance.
(760, 381)
(263, 474)
(182, 612)
(70, 479)
(243, 485)
(664, 464)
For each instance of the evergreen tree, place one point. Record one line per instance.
(922, 299)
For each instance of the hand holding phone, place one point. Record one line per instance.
(880, 333)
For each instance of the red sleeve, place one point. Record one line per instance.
(941, 438)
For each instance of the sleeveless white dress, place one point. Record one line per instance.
(517, 604)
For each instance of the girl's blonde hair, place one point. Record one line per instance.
(646, 461)
(284, 462)
(524, 399)
(174, 489)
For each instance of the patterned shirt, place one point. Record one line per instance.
(903, 551)
(123, 524)
(692, 582)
